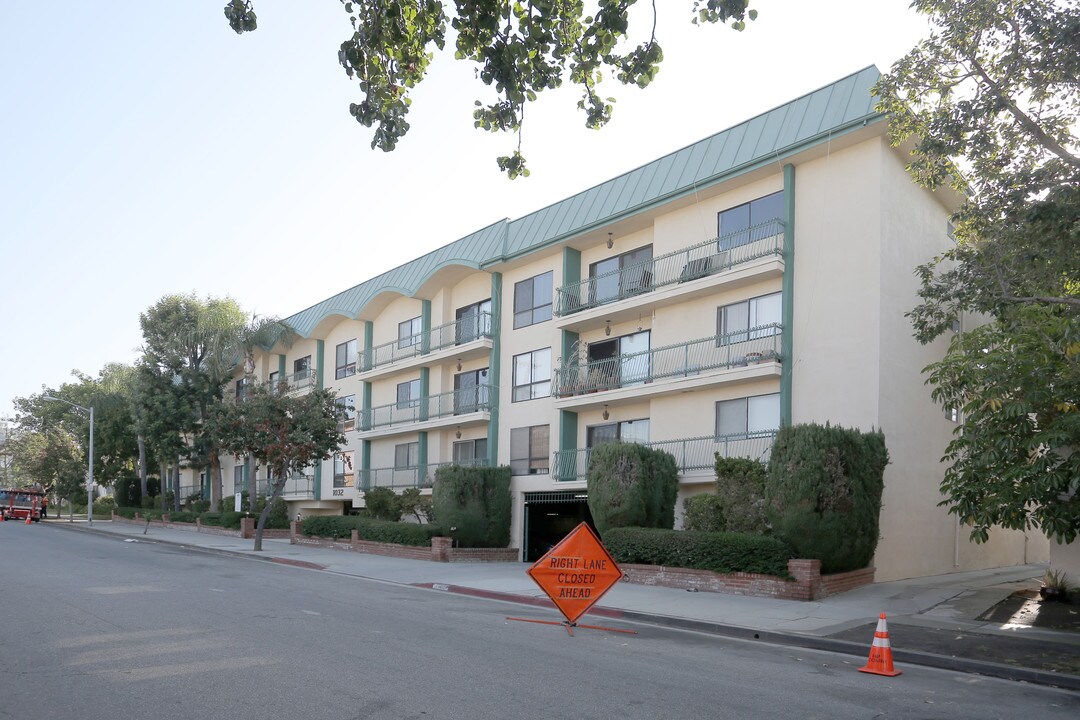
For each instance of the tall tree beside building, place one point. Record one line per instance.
(286, 433)
(520, 50)
(990, 104)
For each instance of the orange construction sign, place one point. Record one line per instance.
(576, 573)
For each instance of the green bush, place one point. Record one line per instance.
(127, 492)
(104, 505)
(183, 516)
(383, 504)
(823, 493)
(473, 504)
(631, 485)
(197, 506)
(209, 518)
(721, 552)
(127, 512)
(278, 519)
(231, 519)
(740, 486)
(417, 505)
(149, 501)
(704, 513)
(341, 526)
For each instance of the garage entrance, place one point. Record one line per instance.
(549, 517)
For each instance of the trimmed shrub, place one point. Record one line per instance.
(127, 492)
(209, 518)
(278, 519)
(197, 506)
(740, 486)
(721, 552)
(341, 526)
(182, 516)
(473, 504)
(417, 505)
(823, 493)
(127, 512)
(383, 504)
(231, 519)
(631, 485)
(703, 513)
(104, 505)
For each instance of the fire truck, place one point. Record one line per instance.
(22, 503)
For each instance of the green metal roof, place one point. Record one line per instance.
(782, 131)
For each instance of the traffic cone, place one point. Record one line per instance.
(880, 662)
(27, 518)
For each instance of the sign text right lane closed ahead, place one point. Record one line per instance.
(576, 573)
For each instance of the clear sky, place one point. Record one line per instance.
(147, 149)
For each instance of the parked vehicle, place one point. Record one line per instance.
(22, 503)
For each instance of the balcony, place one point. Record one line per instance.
(466, 406)
(298, 487)
(467, 337)
(693, 456)
(738, 258)
(673, 368)
(298, 382)
(407, 477)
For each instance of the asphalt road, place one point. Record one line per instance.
(97, 628)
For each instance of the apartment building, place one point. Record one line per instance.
(756, 278)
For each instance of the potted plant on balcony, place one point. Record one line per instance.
(753, 358)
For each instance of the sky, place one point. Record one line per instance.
(147, 149)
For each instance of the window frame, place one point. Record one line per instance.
(618, 425)
(348, 368)
(534, 459)
(722, 334)
(746, 431)
(347, 461)
(302, 365)
(532, 382)
(526, 316)
(413, 401)
(471, 444)
(412, 450)
(751, 221)
(415, 336)
(349, 403)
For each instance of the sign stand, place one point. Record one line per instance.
(575, 574)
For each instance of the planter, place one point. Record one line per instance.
(753, 358)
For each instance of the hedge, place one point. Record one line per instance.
(740, 486)
(473, 504)
(704, 513)
(341, 526)
(630, 485)
(721, 552)
(823, 493)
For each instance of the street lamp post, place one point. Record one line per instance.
(90, 463)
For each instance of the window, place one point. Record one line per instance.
(349, 403)
(532, 300)
(739, 225)
(473, 321)
(408, 333)
(619, 362)
(635, 431)
(406, 455)
(302, 368)
(952, 414)
(408, 394)
(346, 359)
(467, 452)
(748, 416)
(734, 322)
(343, 469)
(274, 379)
(622, 275)
(532, 375)
(242, 389)
(471, 391)
(529, 450)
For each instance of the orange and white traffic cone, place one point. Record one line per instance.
(880, 662)
(27, 518)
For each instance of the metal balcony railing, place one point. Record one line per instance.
(408, 477)
(698, 453)
(297, 381)
(690, 263)
(447, 404)
(672, 361)
(458, 332)
(296, 486)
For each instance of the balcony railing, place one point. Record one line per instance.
(298, 485)
(458, 332)
(447, 404)
(408, 477)
(190, 492)
(297, 381)
(690, 263)
(672, 361)
(690, 454)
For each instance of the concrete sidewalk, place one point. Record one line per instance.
(929, 614)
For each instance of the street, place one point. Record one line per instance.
(99, 628)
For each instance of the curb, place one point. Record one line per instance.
(810, 642)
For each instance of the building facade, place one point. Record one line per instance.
(756, 278)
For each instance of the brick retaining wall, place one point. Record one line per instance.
(441, 549)
(807, 582)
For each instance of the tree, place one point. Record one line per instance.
(287, 433)
(989, 104)
(521, 50)
(52, 458)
